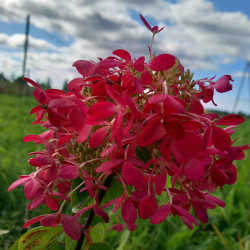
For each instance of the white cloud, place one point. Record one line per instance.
(241, 73)
(16, 41)
(201, 36)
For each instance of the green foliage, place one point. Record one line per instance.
(100, 246)
(37, 238)
(97, 233)
(228, 227)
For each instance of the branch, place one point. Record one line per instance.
(92, 213)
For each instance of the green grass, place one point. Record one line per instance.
(228, 228)
(15, 123)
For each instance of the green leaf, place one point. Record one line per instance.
(97, 233)
(39, 237)
(56, 246)
(78, 199)
(100, 246)
(123, 240)
(69, 243)
(115, 190)
(15, 245)
(143, 154)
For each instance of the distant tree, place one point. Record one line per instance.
(20, 81)
(48, 83)
(65, 84)
(3, 78)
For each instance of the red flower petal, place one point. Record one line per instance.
(34, 84)
(123, 54)
(128, 212)
(221, 139)
(132, 175)
(173, 104)
(68, 171)
(183, 212)
(200, 212)
(162, 62)
(88, 183)
(50, 220)
(230, 120)
(72, 228)
(51, 202)
(223, 85)
(218, 176)
(160, 214)
(18, 182)
(32, 188)
(84, 133)
(151, 133)
(188, 147)
(160, 180)
(215, 200)
(77, 119)
(99, 89)
(146, 78)
(102, 109)
(100, 212)
(138, 65)
(108, 165)
(85, 68)
(33, 220)
(145, 22)
(147, 207)
(157, 98)
(36, 202)
(117, 124)
(98, 137)
(108, 63)
(194, 169)
(175, 130)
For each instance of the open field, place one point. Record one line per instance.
(228, 228)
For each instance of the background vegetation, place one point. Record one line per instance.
(228, 228)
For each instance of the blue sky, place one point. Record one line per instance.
(211, 37)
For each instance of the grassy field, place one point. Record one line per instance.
(228, 228)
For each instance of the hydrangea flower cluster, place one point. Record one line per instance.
(137, 123)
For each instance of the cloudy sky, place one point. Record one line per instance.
(211, 37)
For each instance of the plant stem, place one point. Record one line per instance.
(92, 213)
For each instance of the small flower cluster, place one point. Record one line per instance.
(139, 123)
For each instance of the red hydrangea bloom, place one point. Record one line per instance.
(138, 123)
